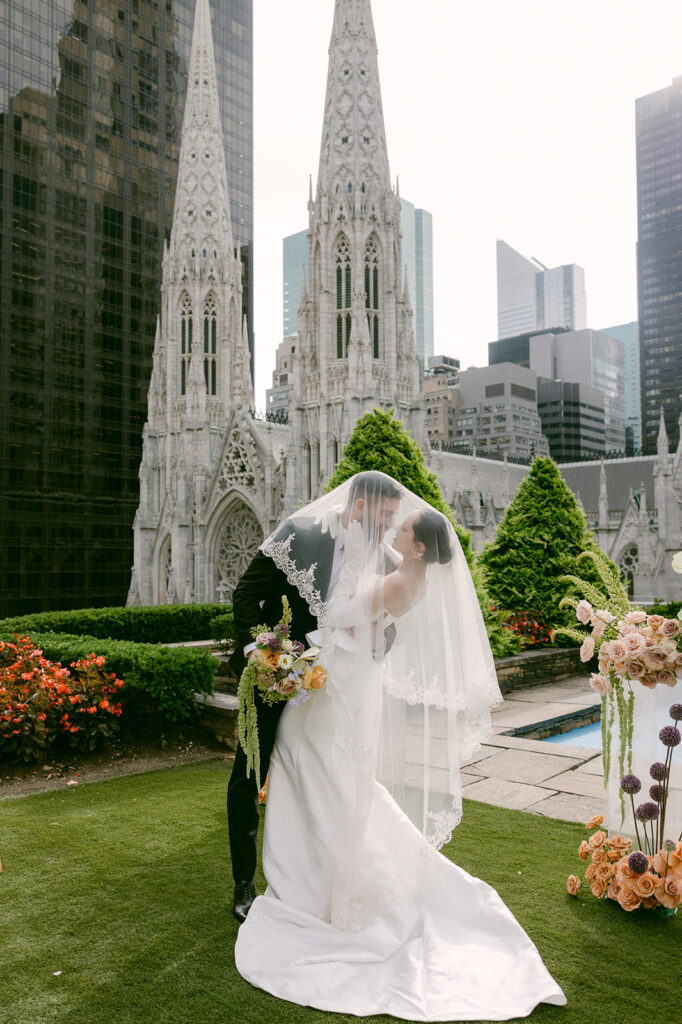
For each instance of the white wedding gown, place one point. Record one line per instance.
(383, 924)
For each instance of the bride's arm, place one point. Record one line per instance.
(393, 595)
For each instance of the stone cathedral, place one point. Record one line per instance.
(214, 480)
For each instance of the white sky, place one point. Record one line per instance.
(507, 119)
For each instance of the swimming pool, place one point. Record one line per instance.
(585, 736)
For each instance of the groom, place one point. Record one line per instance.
(257, 598)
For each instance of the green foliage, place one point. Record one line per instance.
(668, 610)
(221, 628)
(158, 680)
(380, 442)
(167, 623)
(537, 543)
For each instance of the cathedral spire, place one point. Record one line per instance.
(662, 443)
(353, 156)
(202, 228)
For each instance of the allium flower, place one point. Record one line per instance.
(583, 612)
(281, 630)
(657, 792)
(630, 784)
(647, 812)
(638, 862)
(669, 736)
(676, 712)
(669, 845)
(658, 771)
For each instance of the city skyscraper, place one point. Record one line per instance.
(658, 120)
(629, 335)
(531, 296)
(417, 255)
(91, 105)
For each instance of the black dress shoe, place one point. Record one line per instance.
(244, 895)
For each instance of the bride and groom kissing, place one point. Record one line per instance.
(362, 914)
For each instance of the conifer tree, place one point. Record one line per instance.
(537, 542)
(380, 442)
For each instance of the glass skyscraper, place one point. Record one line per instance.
(659, 259)
(91, 102)
(532, 297)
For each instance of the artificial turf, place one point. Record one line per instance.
(124, 887)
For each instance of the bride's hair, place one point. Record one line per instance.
(431, 529)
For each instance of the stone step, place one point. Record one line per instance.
(219, 713)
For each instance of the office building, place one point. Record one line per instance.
(277, 397)
(658, 119)
(531, 296)
(498, 410)
(441, 397)
(628, 334)
(572, 418)
(579, 357)
(91, 105)
(417, 257)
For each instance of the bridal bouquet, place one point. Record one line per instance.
(280, 669)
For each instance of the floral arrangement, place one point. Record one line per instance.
(279, 669)
(650, 876)
(42, 702)
(630, 646)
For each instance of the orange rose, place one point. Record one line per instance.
(669, 890)
(598, 889)
(614, 855)
(306, 678)
(628, 898)
(600, 856)
(573, 885)
(583, 851)
(613, 889)
(590, 873)
(605, 872)
(318, 678)
(645, 884)
(596, 840)
(620, 843)
(595, 820)
(624, 870)
(269, 658)
(650, 902)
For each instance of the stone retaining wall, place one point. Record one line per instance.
(534, 668)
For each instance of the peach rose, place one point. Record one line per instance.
(669, 890)
(626, 627)
(306, 678)
(618, 650)
(614, 855)
(655, 621)
(605, 872)
(625, 872)
(635, 669)
(595, 820)
(590, 873)
(604, 663)
(286, 686)
(587, 649)
(670, 627)
(635, 616)
(634, 644)
(596, 840)
(628, 898)
(645, 884)
(318, 678)
(667, 678)
(598, 888)
(655, 657)
(583, 850)
(613, 889)
(573, 885)
(649, 680)
(269, 658)
(600, 856)
(600, 684)
(620, 843)
(583, 612)
(598, 628)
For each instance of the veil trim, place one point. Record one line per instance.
(302, 579)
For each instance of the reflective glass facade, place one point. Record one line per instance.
(91, 102)
(659, 259)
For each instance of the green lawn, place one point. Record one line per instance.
(124, 886)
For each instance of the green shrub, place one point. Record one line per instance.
(538, 541)
(222, 629)
(158, 680)
(166, 623)
(668, 610)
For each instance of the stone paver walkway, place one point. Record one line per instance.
(556, 780)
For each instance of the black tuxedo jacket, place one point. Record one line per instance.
(257, 597)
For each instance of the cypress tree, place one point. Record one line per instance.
(537, 542)
(380, 442)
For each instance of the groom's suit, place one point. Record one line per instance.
(257, 599)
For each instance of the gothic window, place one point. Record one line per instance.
(372, 297)
(238, 542)
(185, 339)
(628, 565)
(343, 296)
(210, 334)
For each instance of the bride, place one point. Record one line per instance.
(362, 914)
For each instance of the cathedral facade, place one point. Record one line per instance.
(214, 480)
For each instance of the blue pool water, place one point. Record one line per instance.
(585, 736)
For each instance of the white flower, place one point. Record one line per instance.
(286, 645)
(677, 562)
(285, 661)
(600, 683)
(584, 612)
(587, 649)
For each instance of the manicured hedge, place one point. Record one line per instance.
(151, 624)
(160, 680)
(668, 610)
